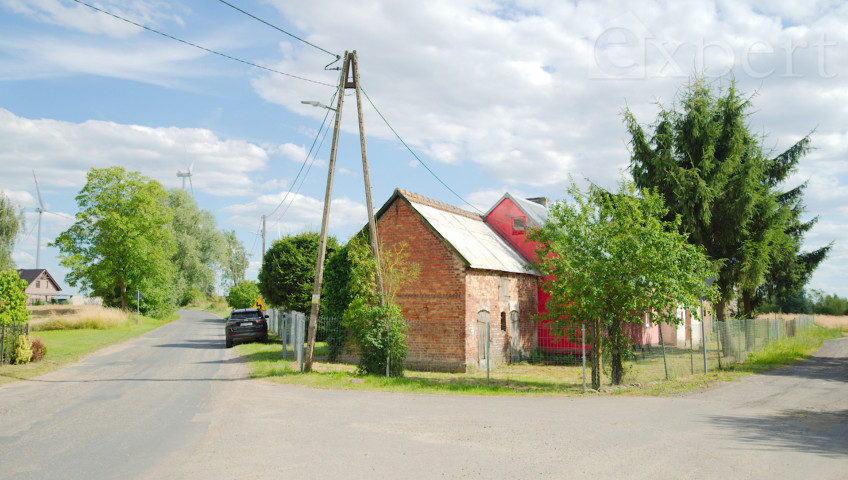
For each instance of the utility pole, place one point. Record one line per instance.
(350, 67)
(263, 238)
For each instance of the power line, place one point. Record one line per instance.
(338, 57)
(230, 57)
(416, 156)
(311, 148)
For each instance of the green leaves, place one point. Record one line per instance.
(11, 223)
(122, 240)
(287, 276)
(243, 295)
(713, 172)
(12, 298)
(607, 258)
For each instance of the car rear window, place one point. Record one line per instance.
(240, 315)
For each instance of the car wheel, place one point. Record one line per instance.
(263, 339)
(229, 343)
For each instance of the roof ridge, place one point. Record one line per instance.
(417, 198)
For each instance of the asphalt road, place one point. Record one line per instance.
(175, 404)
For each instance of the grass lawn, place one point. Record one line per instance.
(645, 377)
(68, 346)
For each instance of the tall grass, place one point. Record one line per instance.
(101, 318)
(788, 350)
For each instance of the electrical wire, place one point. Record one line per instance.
(338, 57)
(303, 180)
(416, 156)
(230, 57)
(305, 160)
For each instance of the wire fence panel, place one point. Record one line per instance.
(657, 352)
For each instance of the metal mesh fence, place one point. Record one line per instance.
(657, 352)
(682, 353)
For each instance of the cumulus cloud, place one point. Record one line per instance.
(61, 153)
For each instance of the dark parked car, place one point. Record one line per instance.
(246, 324)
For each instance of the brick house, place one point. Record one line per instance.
(512, 217)
(471, 282)
(40, 285)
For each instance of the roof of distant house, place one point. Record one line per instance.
(31, 274)
(478, 244)
(535, 211)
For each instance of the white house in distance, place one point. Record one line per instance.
(40, 285)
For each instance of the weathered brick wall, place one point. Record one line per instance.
(433, 306)
(499, 293)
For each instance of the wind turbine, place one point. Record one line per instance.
(40, 210)
(188, 175)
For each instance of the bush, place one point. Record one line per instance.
(23, 351)
(376, 343)
(193, 296)
(243, 295)
(39, 350)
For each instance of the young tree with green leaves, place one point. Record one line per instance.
(607, 258)
(12, 298)
(122, 241)
(288, 270)
(712, 171)
(200, 248)
(243, 295)
(377, 324)
(235, 260)
(11, 224)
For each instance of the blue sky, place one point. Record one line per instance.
(493, 96)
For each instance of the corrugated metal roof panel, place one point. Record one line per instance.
(538, 213)
(474, 240)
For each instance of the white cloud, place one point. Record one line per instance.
(62, 152)
(294, 213)
(88, 20)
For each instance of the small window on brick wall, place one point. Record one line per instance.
(503, 321)
(518, 224)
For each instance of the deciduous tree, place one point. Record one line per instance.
(288, 270)
(607, 258)
(200, 247)
(12, 298)
(122, 241)
(243, 295)
(11, 223)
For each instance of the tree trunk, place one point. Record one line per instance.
(618, 342)
(596, 354)
(747, 303)
(123, 296)
(721, 311)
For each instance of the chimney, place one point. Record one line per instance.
(543, 201)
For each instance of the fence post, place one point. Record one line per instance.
(691, 347)
(2, 344)
(704, 335)
(389, 349)
(583, 351)
(662, 344)
(719, 340)
(300, 324)
(284, 332)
